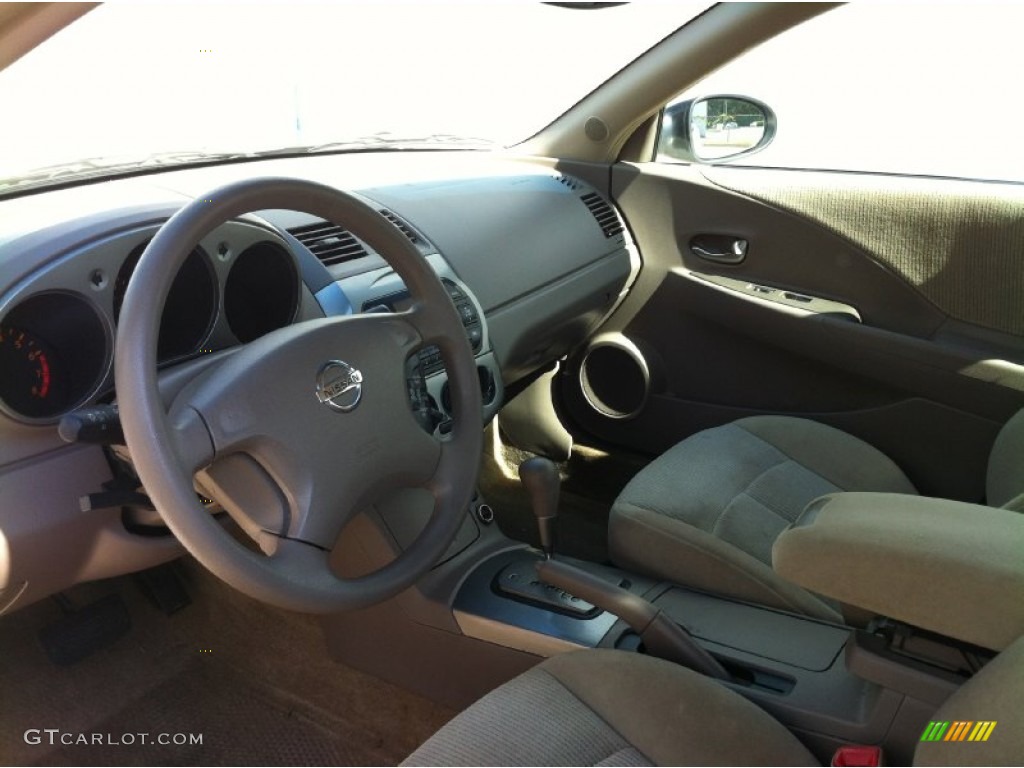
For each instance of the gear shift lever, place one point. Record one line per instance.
(584, 592)
(541, 480)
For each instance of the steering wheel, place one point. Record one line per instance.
(298, 431)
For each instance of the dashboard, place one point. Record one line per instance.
(532, 258)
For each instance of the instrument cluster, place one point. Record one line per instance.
(57, 328)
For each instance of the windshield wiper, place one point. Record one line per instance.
(385, 142)
(98, 167)
(93, 167)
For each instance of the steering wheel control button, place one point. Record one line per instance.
(339, 386)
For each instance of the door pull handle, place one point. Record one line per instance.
(720, 249)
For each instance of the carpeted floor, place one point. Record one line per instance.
(591, 479)
(254, 682)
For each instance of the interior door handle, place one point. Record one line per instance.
(723, 249)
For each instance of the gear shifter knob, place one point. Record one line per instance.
(541, 480)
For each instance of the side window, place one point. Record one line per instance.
(924, 89)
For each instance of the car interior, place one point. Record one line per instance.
(609, 447)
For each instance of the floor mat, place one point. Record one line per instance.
(255, 682)
(237, 721)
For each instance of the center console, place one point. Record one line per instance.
(830, 684)
(494, 608)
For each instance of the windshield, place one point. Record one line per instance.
(132, 82)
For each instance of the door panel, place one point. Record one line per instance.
(925, 387)
(667, 206)
(959, 243)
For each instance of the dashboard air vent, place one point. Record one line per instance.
(568, 181)
(329, 242)
(405, 228)
(604, 214)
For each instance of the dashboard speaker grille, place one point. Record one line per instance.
(329, 242)
(604, 214)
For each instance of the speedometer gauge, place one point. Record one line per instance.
(190, 308)
(32, 381)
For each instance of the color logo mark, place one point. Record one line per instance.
(959, 730)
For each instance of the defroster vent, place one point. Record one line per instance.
(604, 214)
(329, 242)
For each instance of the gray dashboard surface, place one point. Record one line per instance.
(507, 226)
(532, 230)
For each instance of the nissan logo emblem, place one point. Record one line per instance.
(339, 386)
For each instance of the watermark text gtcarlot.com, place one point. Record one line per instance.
(56, 737)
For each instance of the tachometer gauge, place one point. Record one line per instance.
(31, 379)
(54, 351)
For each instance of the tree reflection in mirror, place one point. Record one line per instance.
(714, 129)
(720, 127)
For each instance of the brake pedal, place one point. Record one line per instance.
(163, 588)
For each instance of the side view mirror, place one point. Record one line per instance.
(715, 128)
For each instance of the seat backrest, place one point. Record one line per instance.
(1004, 485)
(994, 695)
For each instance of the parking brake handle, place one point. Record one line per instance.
(661, 636)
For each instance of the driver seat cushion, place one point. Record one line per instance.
(611, 708)
(707, 512)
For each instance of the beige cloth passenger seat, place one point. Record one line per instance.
(612, 708)
(707, 512)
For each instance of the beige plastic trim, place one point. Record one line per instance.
(681, 60)
(23, 26)
(48, 544)
(946, 566)
(510, 636)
